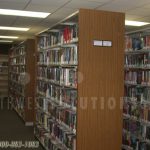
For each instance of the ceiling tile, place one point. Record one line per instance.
(50, 2)
(14, 1)
(7, 20)
(140, 12)
(60, 14)
(26, 22)
(43, 8)
(101, 1)
(83, 4)
(123, 5)
(132, 17)
(145, 19)
(11, 5)
(146, 6)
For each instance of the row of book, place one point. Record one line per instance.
(3, 69)
(66, 35)
(59, 133)
(138, 77)
(62, 76)
(65, 55)
(60, 95)
(18, 60)
(63, 115)
(62, 134)
(17, 69)
(137, 42)
(138, 112)
(138, 94)
(18, 51)
(63, 96)
(133, 143)
(50, 142)
(136, 129)
(16, 88)
(142, 60)
(18, 78)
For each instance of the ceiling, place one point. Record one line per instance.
(135, 10)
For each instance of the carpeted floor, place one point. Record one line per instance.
(12, 128)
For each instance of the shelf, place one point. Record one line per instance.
(134, 101)
(137, 67)
(138, 51)
(17, 82)
(3, 66)
(135, 84)
(17, 92)
(126, 147)
(144, 122)
(21, 55)
(12, 72)
(86, 51)
(58, 65)
(3, 73)
(17, 64)
(61, 104)
(55, 82)
(58, 46)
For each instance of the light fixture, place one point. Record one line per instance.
(23, 13)
(13, 28)
(8, 37)
(5, 41)
(135, 23)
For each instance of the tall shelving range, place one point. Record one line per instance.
(3, 76)
(21, 80)
(136, 110)
(71, 71)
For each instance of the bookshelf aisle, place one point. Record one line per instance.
(3, 76)
(136, 110)
(69, 69)
(21, 80)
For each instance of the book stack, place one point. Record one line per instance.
(57, 89)
(136, 108)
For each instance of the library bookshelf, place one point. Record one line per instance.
(3, 76)
(21, 80)
(74, 76)
(136, 109)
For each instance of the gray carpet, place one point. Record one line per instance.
(12, 128)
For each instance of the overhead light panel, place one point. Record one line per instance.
(8, 37)
(13, 28)
(23, 13)
(5, 41)
(135, 23)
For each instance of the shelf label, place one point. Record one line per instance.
(97, 43)
(102, 43)
(107, 43)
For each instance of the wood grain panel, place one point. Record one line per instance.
(30, 87)
(102, 69)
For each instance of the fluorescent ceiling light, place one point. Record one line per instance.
(13, 28)
(5, 41)
(135, 23)
(8, 37)
(23, 13)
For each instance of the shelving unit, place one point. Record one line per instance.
(136, 109)
(22, 80)
(71, 70)
(3, 76)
